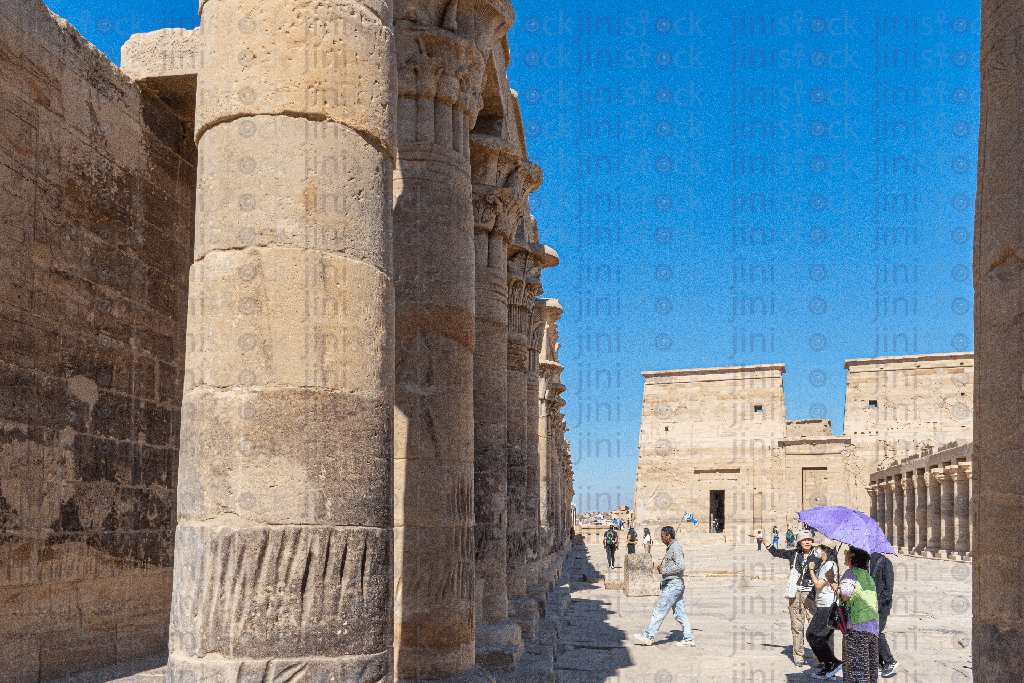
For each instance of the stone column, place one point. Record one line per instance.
(961, 511)
(947, 539)
(934, 508)
(907, 544)
(889, 488)
(523, 288)
(897, 514)
(921, 514)
(285, 469)
(883, 512)
(873, 495)
(440, 76)
(997, 636)
(497, 211)
(543, 257)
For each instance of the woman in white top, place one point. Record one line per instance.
(647, 540)
(825, 573)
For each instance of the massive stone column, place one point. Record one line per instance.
(283, 550)
(961, 512)
(523, 288)
(441, 56)
(908, 513)
(933, 509)
(873, 495)
(998, 635)
(499, 181)
(921, 514)
(543, 257)
(549, 311)
(946, 537)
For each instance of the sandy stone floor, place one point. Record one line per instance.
(740, 622)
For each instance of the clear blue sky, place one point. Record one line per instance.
(819, 158)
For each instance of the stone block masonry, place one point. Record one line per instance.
(98, 184)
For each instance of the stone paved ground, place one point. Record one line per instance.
(741, 623)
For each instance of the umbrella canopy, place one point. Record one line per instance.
(848, 526)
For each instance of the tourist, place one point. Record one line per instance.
(825, 574)
(631, 541)
(647, 540)
(790, 538)
(775, 536)
(801, 607)
(860, 643)
(759, 537)
(611, 542)
(672, 590)
(881, 572)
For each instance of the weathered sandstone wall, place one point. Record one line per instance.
(96, 224)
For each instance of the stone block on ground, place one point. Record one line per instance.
(641, 580)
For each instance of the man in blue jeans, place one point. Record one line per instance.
(671, 569)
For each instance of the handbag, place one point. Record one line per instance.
(791, 587)
(838, 616)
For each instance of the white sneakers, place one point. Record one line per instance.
(642, 639)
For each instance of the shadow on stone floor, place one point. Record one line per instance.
(590, 649)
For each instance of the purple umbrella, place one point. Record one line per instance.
(848, 526)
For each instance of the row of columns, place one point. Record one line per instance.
(926, 511)
(391, 371)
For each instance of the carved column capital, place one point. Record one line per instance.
(906, 483)
(941, 477)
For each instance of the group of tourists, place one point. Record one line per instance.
(822, 599)
(790, 537)
(862, 596)
(611, 543)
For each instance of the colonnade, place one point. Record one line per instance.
(924, 505)
(419, 428)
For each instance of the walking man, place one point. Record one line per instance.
(671, 568)
(880, 569)
(611, 542)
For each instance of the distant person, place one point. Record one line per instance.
(775, 536)
(672, 590)
(790, 537)
(798, 591)
(860, 643)
(611, 542)
(759, 538)
(631, 541)
(647, 540)
(881, 572)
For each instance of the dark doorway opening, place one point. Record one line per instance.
(717, 511)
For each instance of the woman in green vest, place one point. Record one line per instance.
(860, 644)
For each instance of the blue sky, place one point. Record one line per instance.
(746, 183)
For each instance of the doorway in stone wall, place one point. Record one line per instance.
(716, 508)
(815, 487)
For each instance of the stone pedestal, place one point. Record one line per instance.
(641, 580)
(285, 470)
